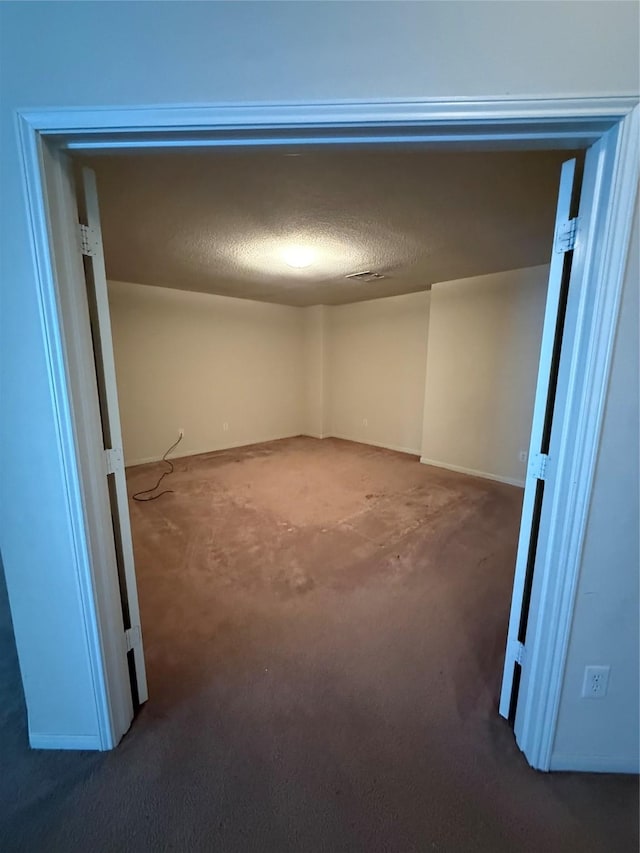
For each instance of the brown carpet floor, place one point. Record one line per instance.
(324, 626)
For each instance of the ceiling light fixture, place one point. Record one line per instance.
(298, 257)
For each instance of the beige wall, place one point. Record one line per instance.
(376, 353)
(484, 343)
(197, 361)
(314, 391)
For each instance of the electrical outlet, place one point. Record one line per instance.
(365, 422)
(180, 432)
(522, 456)
(596, 682)
(225, 427)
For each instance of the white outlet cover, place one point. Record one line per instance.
(596, 682)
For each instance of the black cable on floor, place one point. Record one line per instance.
(151, 497)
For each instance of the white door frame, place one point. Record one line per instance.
(45, 135)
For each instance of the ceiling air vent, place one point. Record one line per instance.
(365, 276)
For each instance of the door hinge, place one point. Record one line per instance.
(113, 459)
(519, 652)
(89, 241)
(132, 637)
(538, 466)
(566, 235)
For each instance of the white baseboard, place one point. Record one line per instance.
(147, 459)
(395, 447)
(594, 763)
(51, 741)
(484, 474)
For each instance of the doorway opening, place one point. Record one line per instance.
(258, 373)
(61, 214)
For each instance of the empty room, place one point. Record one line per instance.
(319, 416)
(326, 363)
(319, 389)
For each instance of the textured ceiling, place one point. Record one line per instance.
(217, 220)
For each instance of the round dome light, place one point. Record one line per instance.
(298, 257)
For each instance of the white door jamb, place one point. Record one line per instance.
(499, 123)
